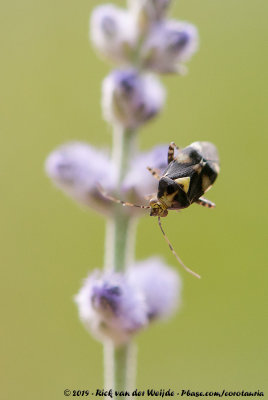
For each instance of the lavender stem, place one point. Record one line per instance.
(120, 242)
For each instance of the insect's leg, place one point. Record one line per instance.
(174, 252)
(171, 151)
(205, 203)
(124, 203)
(154, 172)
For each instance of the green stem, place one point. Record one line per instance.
(125, 358)
(119, 250)
(124, 144)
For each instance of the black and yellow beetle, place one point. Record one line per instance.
(190, 173)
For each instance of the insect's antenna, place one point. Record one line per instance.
(124, 203)
(175, 254)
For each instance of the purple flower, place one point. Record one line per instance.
(111, 307)
(160, 284)
(113, 32)
(139, 181)
(76, 168)
(130, 99)
(169, 45)
(118, 305)
(79, 170)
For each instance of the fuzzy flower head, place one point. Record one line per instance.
(111, 307)
(129, 99)
(77, 168)
(160, 285)
(80, 170)
(119, 305)
(147, 12)
(113, 32)
(139, 182)
(169, 45)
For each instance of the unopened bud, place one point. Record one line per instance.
(130, 99)
(147, 12)
(169, 45)
(113, 32)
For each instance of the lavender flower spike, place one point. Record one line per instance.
(170, 44)
(76, 168)
(160, 284)
(130, 99)
(111, 307)
(113, 32)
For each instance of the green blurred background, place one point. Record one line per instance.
(50, 94)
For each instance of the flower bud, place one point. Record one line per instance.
(111, 307)
(168, 45)
(113, 32)
(147, 12)
(160, 284)
(77, 168)
(130, 99)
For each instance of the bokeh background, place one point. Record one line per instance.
(50, 94)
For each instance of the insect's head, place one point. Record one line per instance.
(158, 209)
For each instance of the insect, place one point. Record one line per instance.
(190, 173)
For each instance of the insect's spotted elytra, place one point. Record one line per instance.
(190, 173)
